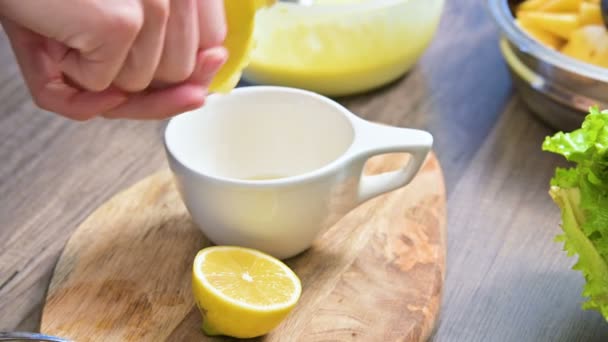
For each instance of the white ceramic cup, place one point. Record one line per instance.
(225, 157)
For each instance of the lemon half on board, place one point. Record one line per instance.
(242, 292)
(240, 22)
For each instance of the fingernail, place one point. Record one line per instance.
(215, 58)
(209, 63)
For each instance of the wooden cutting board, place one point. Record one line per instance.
(377, 275)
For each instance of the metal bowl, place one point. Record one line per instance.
(557, 88)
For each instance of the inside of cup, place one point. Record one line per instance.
(260, 134)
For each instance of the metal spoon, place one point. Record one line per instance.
(28, 336)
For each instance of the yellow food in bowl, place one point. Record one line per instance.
(340, 47)
(572, 27)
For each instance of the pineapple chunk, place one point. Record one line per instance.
(560, 24)
(531, 5)
(560, 6)
(542, 36)
(589, 44)
(590, 14)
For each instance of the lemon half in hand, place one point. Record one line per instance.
(242, 292)
(240, 20)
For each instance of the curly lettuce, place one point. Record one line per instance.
(581, 192)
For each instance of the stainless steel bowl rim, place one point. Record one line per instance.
(502, 15)
(537, 82)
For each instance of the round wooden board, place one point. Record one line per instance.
(377, 275)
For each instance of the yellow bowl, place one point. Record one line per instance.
(340, 47)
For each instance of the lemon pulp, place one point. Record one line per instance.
(242, 292)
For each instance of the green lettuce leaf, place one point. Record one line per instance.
(581, 192)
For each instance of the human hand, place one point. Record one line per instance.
(142, 59)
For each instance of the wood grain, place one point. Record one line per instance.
(377, 275)
(507, 280)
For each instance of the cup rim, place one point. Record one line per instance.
(284, 181)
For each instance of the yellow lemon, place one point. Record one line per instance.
(240, 21)
(242, 292)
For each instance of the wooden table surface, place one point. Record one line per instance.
(507, 280)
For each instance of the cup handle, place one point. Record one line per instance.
(374, 139)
